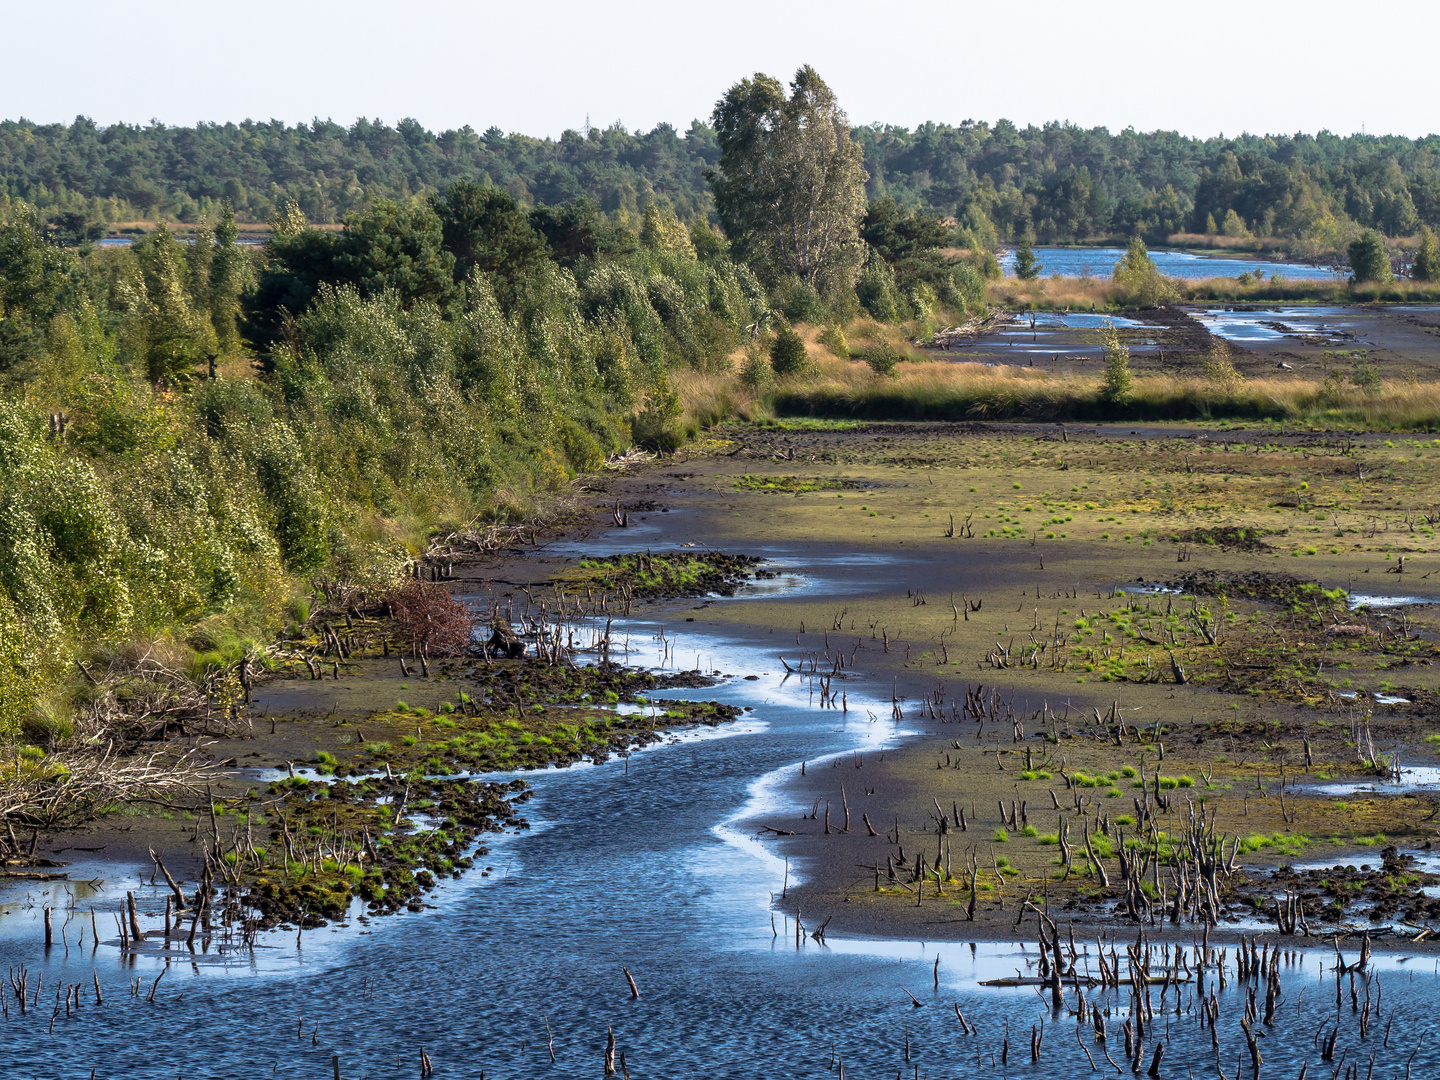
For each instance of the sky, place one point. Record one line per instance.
(1203, 69)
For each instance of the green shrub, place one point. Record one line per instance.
(656, 427)
(833, 338)
(1426, 266)
(755, 371)
(877, 293)
(787, 353)
(1369, 260)
(797, 300)
(1117, 380)
(882, 359)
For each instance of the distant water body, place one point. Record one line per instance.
(1100, 262)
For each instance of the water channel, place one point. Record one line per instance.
(651, 864)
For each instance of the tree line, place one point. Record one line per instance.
(998, 182)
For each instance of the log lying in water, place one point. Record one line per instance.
(1082, 980)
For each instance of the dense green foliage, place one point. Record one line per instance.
(127, 172)
(192, 432)
(1066, 182)
(435, 361)
(1140, 280)
(1058, 181)
(1027, 266)
(787, 353)
(789, 186)
(1427, 258)
(1368, 258)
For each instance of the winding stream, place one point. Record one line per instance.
(652, 865)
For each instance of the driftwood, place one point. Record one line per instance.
(1072, 979)
(965, 334)
(65, 786)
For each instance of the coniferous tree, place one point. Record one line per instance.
(1368, 258)
(1027, 266)
(1426, 266)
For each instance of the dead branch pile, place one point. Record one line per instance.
(965, 334)
(142, 695)
(61, 787)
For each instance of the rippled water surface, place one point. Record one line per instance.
(1100, 262)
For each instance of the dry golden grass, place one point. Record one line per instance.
(1214, 241)
(949, 391)
(1080, 294)
(1064, 293)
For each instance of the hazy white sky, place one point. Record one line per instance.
(540, 68)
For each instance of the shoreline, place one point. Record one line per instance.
(900, 785)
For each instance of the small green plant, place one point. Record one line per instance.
(1220, 369)
(1117, 382)
(1001, 836)
(787, 353)
(1030, 831)
(883, 359)
(833, 338)
(755, 371)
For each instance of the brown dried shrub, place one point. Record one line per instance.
(431, 619)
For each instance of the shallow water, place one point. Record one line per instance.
(1270, 325)
(1052, 336)
(1412, 778)
(1100, 263)
(653, 864)
(1359, 600)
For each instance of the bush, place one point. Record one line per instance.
(431, 618)
(883, 358)
(833, 338)
(756, 372)
(787, 353)
(1117, 382)
(966, 290)
(877, 293)
(986, 265)
(1140, 280)
(1368, 258)
(1221, 370)
(1426, 266)
(797, 301)
(1364, 375)
(657, 426)
(922, 300)
(1027, 267)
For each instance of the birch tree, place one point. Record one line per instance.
(790, 184)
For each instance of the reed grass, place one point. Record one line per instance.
(1080, 294)
(946, 391)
